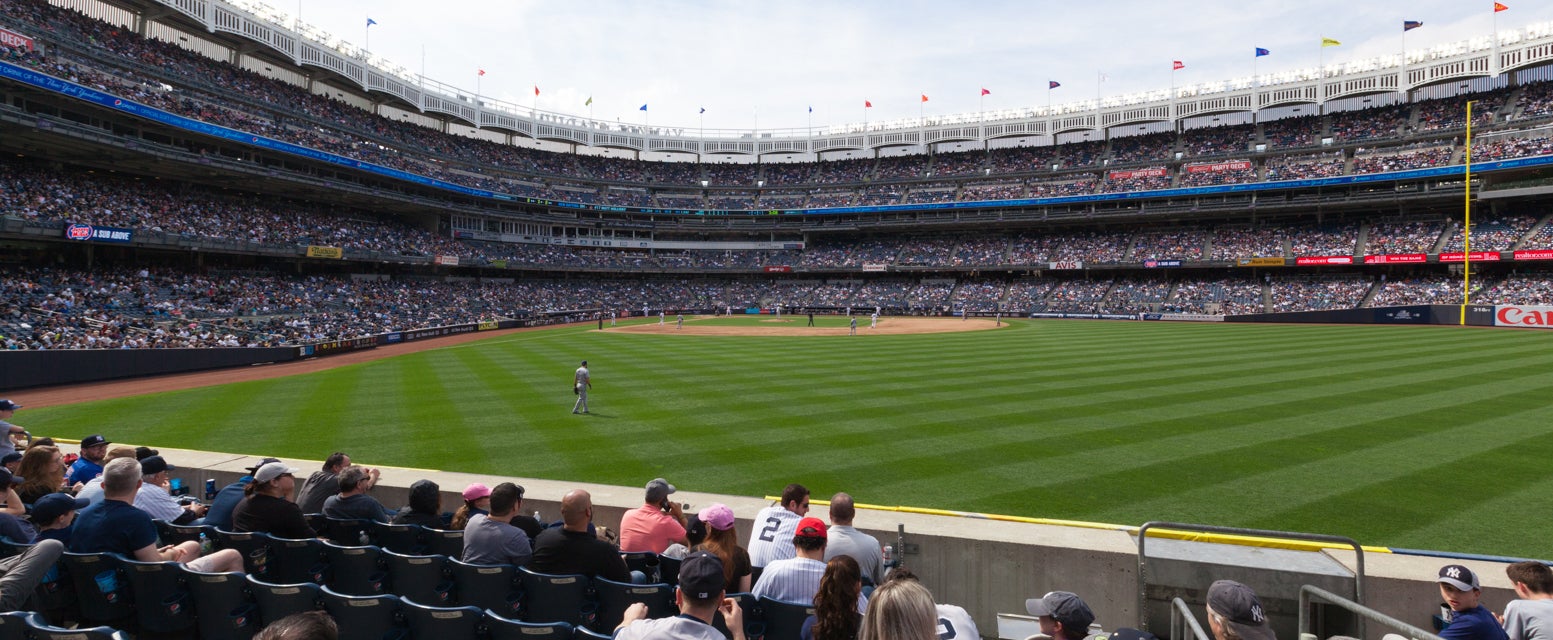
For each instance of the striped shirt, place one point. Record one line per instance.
(772, 538)
(795, 580)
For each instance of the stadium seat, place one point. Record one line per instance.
(254, 547)
(645, 562)
(615, 597)
(584, 633)
(668, 570)
(508, 629)
(555, 598)
(784, 620)
(100, 587)
(277, 601)
(9, 547)
(176, 533)
(421, 579)
(345, 532)
(37, 629)
(354, 571)
(318, 521)
(162, 602)
(293, 560)
(441, 623)
(364, 617)
(13, 625)
(398, 538)
(445, 542)
(488, 586)
(752, 618)
(222, 609)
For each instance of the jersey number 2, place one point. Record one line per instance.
(768, 533)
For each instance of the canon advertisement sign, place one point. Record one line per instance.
(1518, 315)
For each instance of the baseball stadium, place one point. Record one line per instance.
(1288, 330)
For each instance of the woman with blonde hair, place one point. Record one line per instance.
(900, 610)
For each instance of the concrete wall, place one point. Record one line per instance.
(986, 566)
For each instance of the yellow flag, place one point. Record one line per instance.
(1328, 42)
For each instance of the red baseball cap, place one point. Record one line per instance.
(810, 528)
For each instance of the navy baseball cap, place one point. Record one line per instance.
(1458, 576)
(1064, 607)
(7, 405)
(7, 479)
(1241, 610)
(701, 575)
(93, 440)
(14, 456)
(54, 505)
(154, 464)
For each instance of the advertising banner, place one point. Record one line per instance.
(1540, 254)
(314, 251)
(1072, 265)
(13, 40)
(869, 267)
(1183, 317)
(487, 325)
(1153, 172)
(1260, 262)
(341, 346)
(434, 332)
(1477, 256)
(446, 261)
(1397, 258)
(1309, 260)
(96, 233)
(1523, 315)
(1160, 264)
(1215, 167)
(778, 268)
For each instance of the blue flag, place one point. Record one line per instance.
(371, 22)
(703, 109)
(644, 108)
(1409, 25)
(811, 109)
(1262, 52)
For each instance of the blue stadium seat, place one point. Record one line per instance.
(615, 597)
(668, 570)
(277, 601)
(584, 633)
(177, 533)
(100, 587)
(162, 602)
(441, 623)
(254, 547)
(508, 629)
(356, 571)
(37, 629)
(488, 586)
(398, 538)
(345, 532)
(318, 521)
(555, 598)
(293, 560)
(784, 620)
(421, 579)
(645, 562)
(752, 619)
(13, 624)
(364, 617)
(445, 542)
(222, 609)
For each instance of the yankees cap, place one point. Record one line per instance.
(1241, 609)
(1458, 576)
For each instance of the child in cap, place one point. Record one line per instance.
(1469, 620)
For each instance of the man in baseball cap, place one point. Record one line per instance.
(1063, 616)
(266, 506)
(655, 525)
(701, 595)
(1235, 613)
(94, 448)
(10, 431)
(225, 500)
(1469, 620)
(797, 579)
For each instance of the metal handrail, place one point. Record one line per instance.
(1182, 621)
(1143, 618)
(1309, 593)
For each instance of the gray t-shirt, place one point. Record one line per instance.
(316, 489)
(847, 541)
(488, 541)
(1529, 619)
(679, 627)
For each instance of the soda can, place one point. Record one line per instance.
(210, 488)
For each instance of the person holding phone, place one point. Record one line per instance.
(658, 523)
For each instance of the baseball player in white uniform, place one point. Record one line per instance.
(852, 330)
(611, 318)
(581, 383)
(873, 322)
(679, 322)
(660, 318)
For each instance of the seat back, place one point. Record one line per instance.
(508, 629)
(37, 629)
(179, 533)
(445, 542)
(784, 620)
(222, 609)
(645, 562)
(318, 521)
(277, 601)
(346, 532)
(13, 625)
(488, 586)
(356, 571)
(100, 587)
(364, 617)
(55, 595)
(752, 615)
(398, 538)
(423, 579)
(615, 597)
(441, 623)
(162, 602)
(253, 545)
(293, 560)
(584, 633)
(668, 570)
(555, 598)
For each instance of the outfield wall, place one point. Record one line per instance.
(1449, 314)
(992, 566)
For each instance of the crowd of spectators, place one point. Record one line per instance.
(1381, 160)
(1499, 234)
(1316, 293)
(1292, 133)
(1230, 243)
(1306, 167)
(1218, 141)
(1141, 148)
(1228, 296)
(1179, 244)
(1430, 289)
(1505, 147)
(1404, 236)
(1326, 240)
(1210, 178)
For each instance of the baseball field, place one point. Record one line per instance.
(1424, 437)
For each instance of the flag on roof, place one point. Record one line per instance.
(1500, 7)
(703, 109)
(480, 71)
(371, 22)
(1409, 25)
(1262, 52)
(1328, 42)
(984, 91)
(868, 104)
(536, 89)
(811, 108)
(644, 108)
(1177, 65)
(1052, 84)
(924, 97)
(589, 103)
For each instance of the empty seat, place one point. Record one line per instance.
(162, 603)
(178, 533)
(398, 538)
(488, 586)
(100, 589)
(355, 571)
(445, 542)
(277, 601)
(254, 547)
(615, 597)
(645, 562)
(37, 629)
(345, 532)
(502, 628)
(293, 560)
(363, 617)
(554, 598)
(441, 623)
(668, 570)
(222, 609)
(13, 625)
(422, 579)
(784, 620)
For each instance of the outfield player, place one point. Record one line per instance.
(772, 538)
(852, 329)
(611, 318)
(581, 383)
(873, 321)
(660, 318)
(679, 322)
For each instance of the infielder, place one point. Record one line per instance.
(581, 383)
(660, 318)
(873, 322)
(679, 322)
(852, 331)
(611, 318)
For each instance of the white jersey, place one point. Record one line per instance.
(772, 537)
(581, 377)
(954, 622)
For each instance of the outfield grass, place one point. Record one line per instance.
(1431, 437)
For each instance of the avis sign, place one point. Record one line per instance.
(1517, 315)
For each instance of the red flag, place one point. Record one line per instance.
(867, 104)
(482, 72)
(536, 89)
(1499, 7)
(924, 97)
(984, 91)
(1178, 65)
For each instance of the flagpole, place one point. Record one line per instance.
(1466, 244)
(366, 39)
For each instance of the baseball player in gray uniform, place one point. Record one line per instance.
(581, 383)
(852, 331)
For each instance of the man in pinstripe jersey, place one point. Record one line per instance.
(796, 580)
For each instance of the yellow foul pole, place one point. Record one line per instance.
(1466, 231)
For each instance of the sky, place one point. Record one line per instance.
(764, 64)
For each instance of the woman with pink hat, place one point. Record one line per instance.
(723, 542)
(477, 500)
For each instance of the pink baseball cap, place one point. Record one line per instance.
(476, 491)
(718, 515)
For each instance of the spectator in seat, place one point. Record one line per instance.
(477, 500)
(94, 449)
(43, 473)
(424, 506)
(20, 575)
(900, 610)
(953, 621)
(155, 499)
(774, 526)
(723, 541)
(92, 490)
(221, 506)
(267, 507)
(323, 483)
(311, 625)
(11, 432)
(352, 502)
(700, 596)
(835, 605)
(797, 579)
(1530, 616)
(655, 525)
(53, 516)
(571, 548)
(1235, 613)
(116, 526)
(12, 461)
(491, 538)
(13, 502)
(1062, 615)
(1469, 619)
(843, 540)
